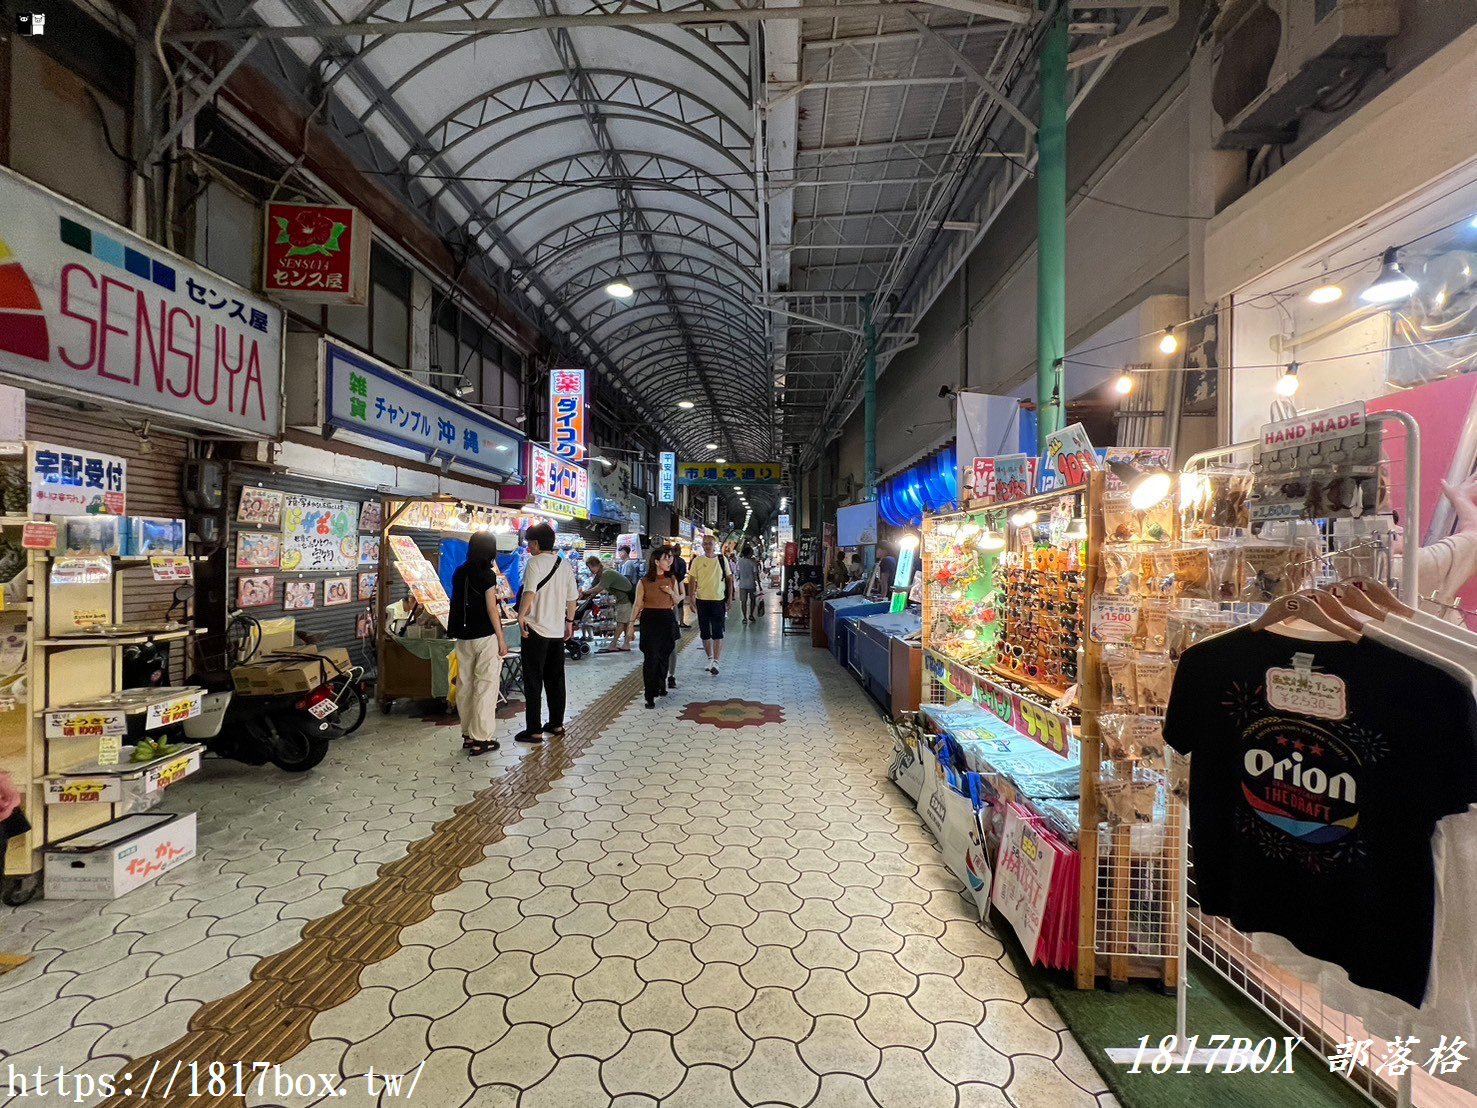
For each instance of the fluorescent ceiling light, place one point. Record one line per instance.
(686, 405)
(620, 288)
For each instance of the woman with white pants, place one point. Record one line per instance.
(477, 626)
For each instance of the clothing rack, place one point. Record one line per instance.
(1409, 588)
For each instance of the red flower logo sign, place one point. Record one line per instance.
(309, 232)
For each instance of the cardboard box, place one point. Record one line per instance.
(277, 634)
(118, 857)
(269, 678)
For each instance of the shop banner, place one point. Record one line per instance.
(74, 481)
(372, 399)
(1023, 879)
(556, 485)
(1067, 459)
(319, 533)
(92, 310)
(711, 511)
(1331, 423)
(316, 252)
(567, 414)
(729, 473)
(1035, 721)
(1013, 477)
(667, 492)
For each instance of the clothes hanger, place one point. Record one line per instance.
(1331, 607)
(1299, 606)
(1356, 600)
(1380, 593)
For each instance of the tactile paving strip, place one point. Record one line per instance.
(270, 1020)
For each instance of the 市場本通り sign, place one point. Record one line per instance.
(90, 309)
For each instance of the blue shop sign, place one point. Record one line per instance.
(363, 396)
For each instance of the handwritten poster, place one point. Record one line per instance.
(319, 534)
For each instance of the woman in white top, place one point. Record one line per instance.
(746, 569)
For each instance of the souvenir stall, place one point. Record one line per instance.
(412, 609)
(89, 752)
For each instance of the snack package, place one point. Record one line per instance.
(1153, 676)
(1119, 687)
(1191, 565)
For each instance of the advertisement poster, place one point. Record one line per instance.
(1023, 879)
(557, 485)
(567, 414)
(1012, 477)
(258, 550)
(91, 309)
(256, 592)
(70, 481)
(368, 585)
(171, 568)
(319, 534)
(338, 590)
(86, 723)
(260, 508)
(37, 534)
(170, 712)
(1068, 458)
(369, 550)
(298, 595)
(316, 252)
(984, 479)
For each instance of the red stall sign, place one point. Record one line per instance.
(316, 252)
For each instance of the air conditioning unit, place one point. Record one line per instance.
(1275, 58)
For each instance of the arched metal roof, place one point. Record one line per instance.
(751, 172)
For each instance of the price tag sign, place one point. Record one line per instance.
(37, 534)
(86, 723)
(109, 750)
(76, 790)
(1112, 619)
(171, 568)
(170, 712)
(172, 772)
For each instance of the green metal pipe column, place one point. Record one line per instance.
(869, 409)
(1051, 220)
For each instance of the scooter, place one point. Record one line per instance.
(290, 730)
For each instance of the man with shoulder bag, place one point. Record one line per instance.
(546, 617)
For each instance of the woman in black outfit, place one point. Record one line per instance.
(477, 626)
(656, 599)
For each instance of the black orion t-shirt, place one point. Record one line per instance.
(1319, 772)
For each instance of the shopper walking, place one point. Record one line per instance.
(712, 586)
(679, 614)
(546, 616)
(477, 626)
(656, 600)
(747, 572)
(632, 570)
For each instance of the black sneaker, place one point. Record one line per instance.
(671, 682)
(529, 737)
(651, 703)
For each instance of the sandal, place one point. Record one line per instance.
(475, 748)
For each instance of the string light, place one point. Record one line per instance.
(1287, 384)
(1170, 342)
(1124, 384)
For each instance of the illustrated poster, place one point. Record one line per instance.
(258, 550)
(369, 550)
(260, 507)
(319, 534)
(371, 515)
(256, 592)
(368, 585)
(338, 590)
(298, 595)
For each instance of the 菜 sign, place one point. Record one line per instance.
(557, 485)
(74, 481)
(364, 396)
(730, 473)
(92, 310)
(316, 252)
(667, 493)
(567, 414)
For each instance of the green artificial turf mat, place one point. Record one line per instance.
(1100, 1019)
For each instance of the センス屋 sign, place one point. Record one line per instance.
(317, 252)
(92, 310)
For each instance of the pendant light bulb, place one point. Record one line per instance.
(1392, 284)
(1170, 342)
(1124, 384)
(1287, 384)
(620, 288)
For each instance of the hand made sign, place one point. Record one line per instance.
(319, 534)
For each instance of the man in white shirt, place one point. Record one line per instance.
(546, 618)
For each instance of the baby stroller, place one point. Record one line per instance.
(584, 616)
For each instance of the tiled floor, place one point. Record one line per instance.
(690, 916)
